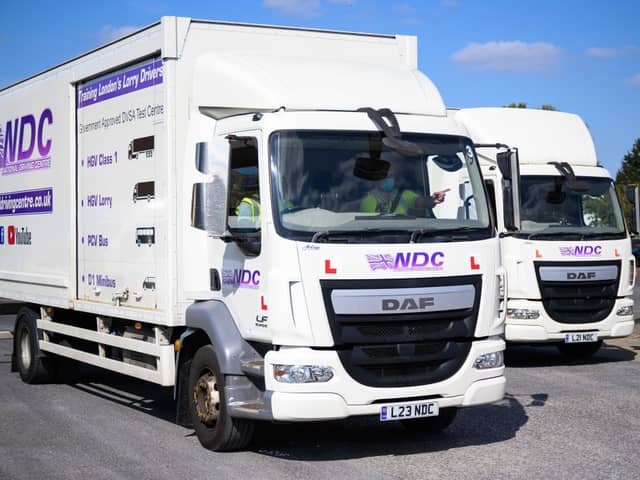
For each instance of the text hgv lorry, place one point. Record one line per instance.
(564, 243)
(267, 219)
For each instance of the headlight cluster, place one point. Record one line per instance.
(489, 360)
(302, 373)
(625, 311)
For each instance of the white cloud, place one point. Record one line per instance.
(109, 33)
(635, 80)
(509, 56)
(295, 7)
(599, 52)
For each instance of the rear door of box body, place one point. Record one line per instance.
(121, 209)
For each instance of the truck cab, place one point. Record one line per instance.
(564, 242)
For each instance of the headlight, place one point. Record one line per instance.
(302, 373)
(489, 360)
(625, 311)
(522, 313)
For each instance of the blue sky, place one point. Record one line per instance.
(580, 56)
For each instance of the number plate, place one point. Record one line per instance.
(408, 410)
(581, 337)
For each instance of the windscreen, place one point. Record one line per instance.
(551, 205)
(350, 187)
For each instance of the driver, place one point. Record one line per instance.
(386, 198)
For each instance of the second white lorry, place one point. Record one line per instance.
(565, 247)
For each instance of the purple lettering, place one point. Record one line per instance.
(30, 121)
(10, 142)
(237, 276)
(246, 277)
(578, 250)
(597, 250)
(255, 278)
(433, 259)
(402, 261)
(425, 259)
(44, 148)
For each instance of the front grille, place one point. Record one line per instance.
(403, 349)
(578, 301)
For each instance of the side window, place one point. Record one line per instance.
(491, 192)
(244, 204)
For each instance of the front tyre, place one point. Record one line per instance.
(215, 428)
(579, 350)
(432, 424)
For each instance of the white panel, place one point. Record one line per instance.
(121, 234)
(402, 300)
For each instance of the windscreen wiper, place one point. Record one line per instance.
(386, 216)
(603, 235)
(327, 234)
(575, 235)
(448, 235)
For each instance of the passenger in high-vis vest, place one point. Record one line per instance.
(249, 208)
(386, 198)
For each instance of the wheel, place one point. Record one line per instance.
(579, 350)
(432, 424)
(216, 430)
(32, 366)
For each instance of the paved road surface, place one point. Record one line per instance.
(558, 420)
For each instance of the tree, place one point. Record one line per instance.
(628, 174)
(545, 106)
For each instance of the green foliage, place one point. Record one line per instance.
(628, 174)
(545, 106)
(516, 105)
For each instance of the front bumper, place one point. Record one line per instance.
(342, 397)
(545, 329)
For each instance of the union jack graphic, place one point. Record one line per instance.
(566, 251)
(380, 262)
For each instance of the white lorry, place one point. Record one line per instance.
(208, 206)
(564, 244)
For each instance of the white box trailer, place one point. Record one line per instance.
(207, 206)
(564, 242)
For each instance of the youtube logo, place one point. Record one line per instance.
(11, 235)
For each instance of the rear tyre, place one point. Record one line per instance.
(432, 424)
(215, 428)
(579, 350)
(33, 366)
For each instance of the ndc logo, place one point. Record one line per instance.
(25, 143)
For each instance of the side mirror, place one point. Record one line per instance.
(633, 196)
(209, 199)
(510, 169)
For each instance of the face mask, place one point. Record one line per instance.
(387, 184)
